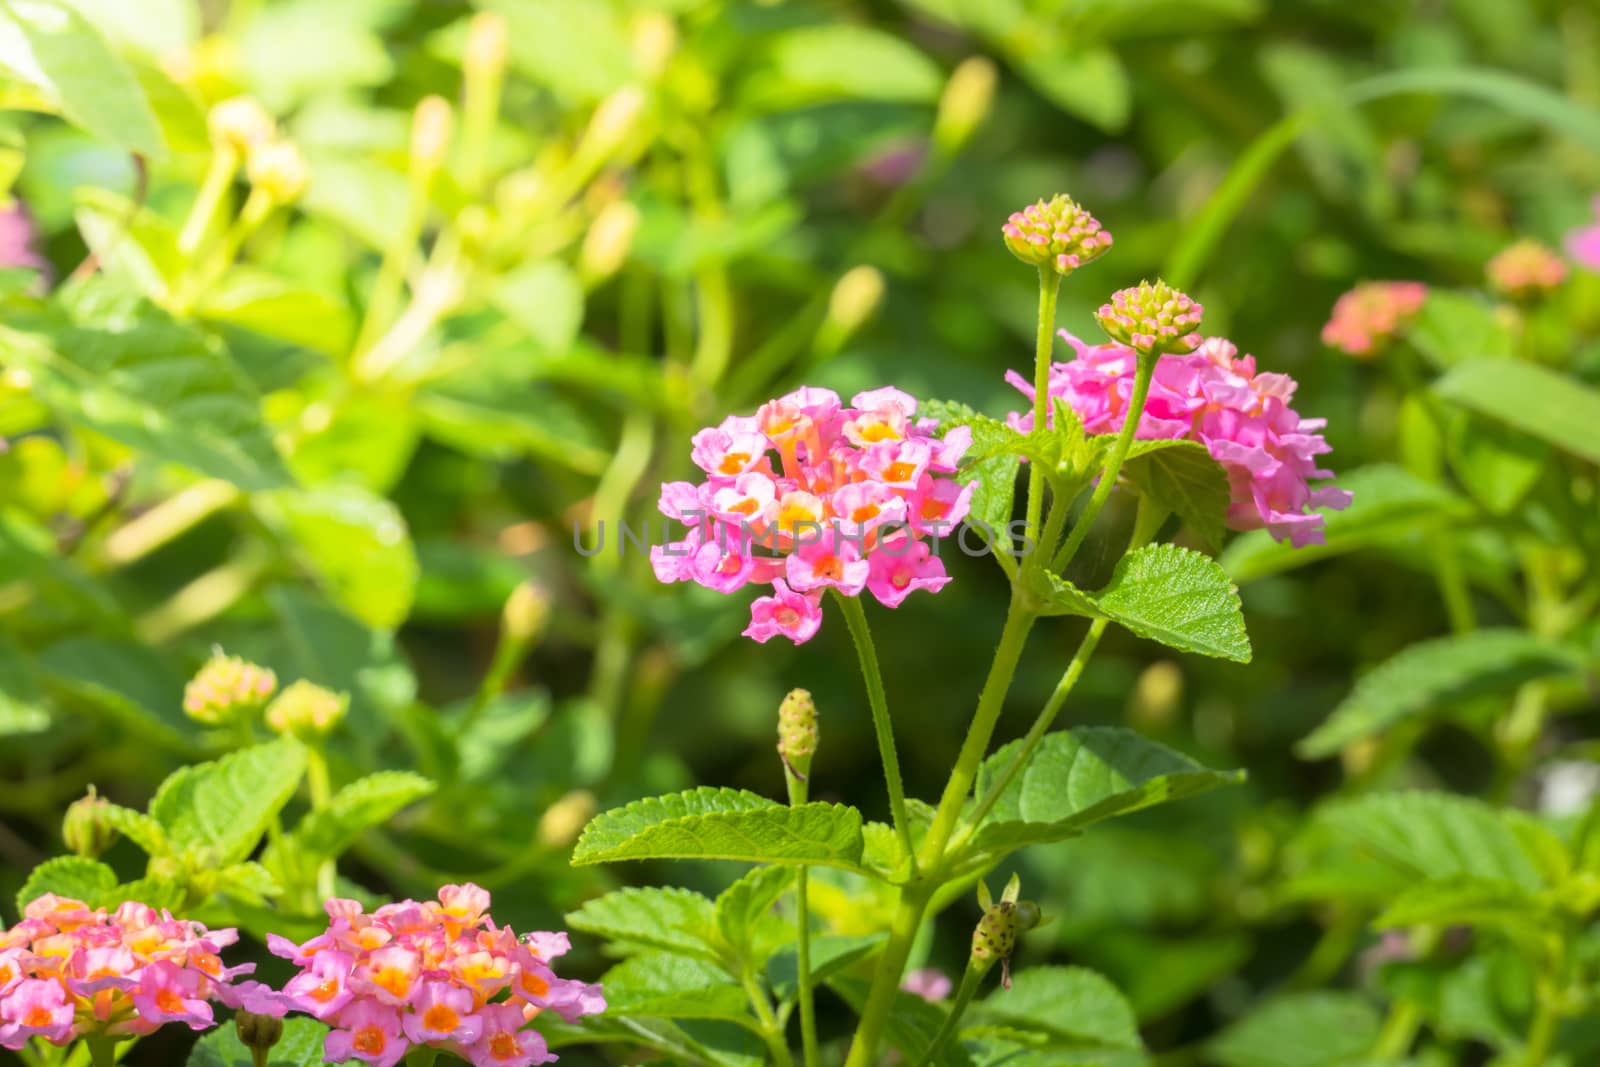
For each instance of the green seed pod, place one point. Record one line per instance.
(85, 828)
(995, 936)
(258, 1033)
(797, 731)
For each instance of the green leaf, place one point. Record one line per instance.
(1388, 502)
(1436, 674)
(576, 48)
(844, 61)
(1299, 1030)
(272, 307)
(676, 920)
(1508, 908)
(1498, 465)
(545, 298)
(1080, 777)
(747, 904)
(913, 1023)
(714, 1042)
(1069, 1005)
(130, 240)
(335, 650)
(300, 1046)
(674, 987)
(136, 826)
(1435, 836)
(831, 954)
(51, 47)
(160, 388)
(1090, 83)
(130, 683)
(1057, 596)
(357, 544)
(1179, 597)
(22, 704)
(1455, 325)
(363, 804)
(1181, 477)
(156, 27)
(250, 883)
(727, 824)
(68, 876)
(988, 463)
(1536, 400)
(219, 810)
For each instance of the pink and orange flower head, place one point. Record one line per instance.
(1526, 270)
(1368, 317)
(808, 495)
(1152, 319)
(436, 973)
(1057, 234)
(69, 971)
(1215, 397)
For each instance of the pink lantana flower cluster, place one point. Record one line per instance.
(436, 973)
(1525, 269)
(70, 971)
(1215, 397)
(808, 495)
(1367, 317)
(1583, 244)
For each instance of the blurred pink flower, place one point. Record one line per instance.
(1369, 316)
(1215, 397)
(929, 983)
(1525, 269)
(1583, 244)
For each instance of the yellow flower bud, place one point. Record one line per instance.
(854, 300)
(613, 122)
(564, 820)
(968, 95)
(487, 41)
(655, 39)
(306, 710)
(241, 124)
(606, 245)
(279, 170)
(432, 125)
(526, 612)
(85, 828)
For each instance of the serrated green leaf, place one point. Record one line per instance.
(1299, 1030)
(1534, 399)
(272, 307)
(1387, 502)
(1181, 477)
(137, 827)
(674, 987)
(677, 920)
(728, 824)
(157, 893)
(1435, 836)
(1511, 909)
(1178, 597)
(158, 387)
(74, 877)
(1057, 596)
(1069, 1005)
(357, 544)
(1090, 83)
(742, 908)
(130, 240)
(300, 1046)
(219, 810)
(1080, 777)
(52, 48)
(831, 954)
(251, 883)
(363, 804)
(1434, 674)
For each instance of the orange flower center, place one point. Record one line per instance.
(865, 512)
(440, 1018)
(170, 1002)
(325, 992)
(37, 1018)
(397, 983)
(503, 1046)
(369, 1039)
(830, 567)
(535, 985)
(898, 472)
(746, 506)
(734, 462)
(786, 617)
(879, 431)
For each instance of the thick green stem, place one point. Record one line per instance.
(1399, 1031)
(1542, 1032)
(1049, 286)
(102, 1051)
(1119, 452)
(886, 983)
(1047, 716)
(799, 792)
(856, 619)
(970, 980)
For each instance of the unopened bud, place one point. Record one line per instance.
(279, 170)
(526, 612)
(968, 96)
(1058, 234)
(797, 731)
(1526, 270)
(431, 127)
(241, 124)
(854, 300)
(85, 829)
(227, 688)
(1157, 694)
(564, 820)
(258, 1033)
(1152, 319)
(655, 38)
(610, 238)
(306, 710)
(613, 122)
(487, 40)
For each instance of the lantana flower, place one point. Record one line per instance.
(1368, 317)
(438, 973)
(69, 971)
(1526, 269)
(808, 495)
(1216, 397)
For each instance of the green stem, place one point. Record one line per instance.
(1047, 716)
(1119, 452)
(856, 619)
(102, 1052)
(799, 791)
(1049, 287)
(970, 980)
(886, 983)
(1399, 1031)
(320, 785)
(771, 1030)
(164, 523)
(219, 176)
(1542, 1032)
